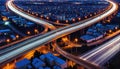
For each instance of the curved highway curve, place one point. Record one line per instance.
(55, 34)
(76, 59)
(13, 8)
(79, 59)
(97, 57)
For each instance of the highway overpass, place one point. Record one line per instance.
(96, 58)
(14, 9)
(55, 34)
(103, 53)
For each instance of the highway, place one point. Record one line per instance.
(55, 34)
(13, 8)
(103, 53)
(96, 57)
(13, 44)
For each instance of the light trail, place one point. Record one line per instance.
(58, 33)
(103, 53)
(12, 7)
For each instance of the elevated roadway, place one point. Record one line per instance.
(103, 53)
(14, 9)
(58, 33)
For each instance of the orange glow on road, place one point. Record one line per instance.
(65, 39)
(11, 65)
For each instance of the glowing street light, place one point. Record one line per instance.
(7, 23)
(57, 21)
(79, 19)
(66, 21)
(28, 32)
(17, 36)
(36, 14)
(41, 16)
(64, 39)
(85, 16)
(73, 20)
(8, 40)
(116, 28)
(4, 18)
(76, 40)
(90, 14)
(110, 31)
(33, 13)
(47, 18)
(36, 31)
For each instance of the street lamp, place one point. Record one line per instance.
(79, 19)
(65, 39)
(8, 40)
(47, 18)
(41, 16)
(90, 14)
(7, 23)
(4, 18)
(76, 40)
(36, 14)
(17, 36)
(66, 21)
(116, 28)
(28, 32)
(85, 16)
(57, 21)
(73, 20)
(36, 31)
(110, 31)
(32, 13)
